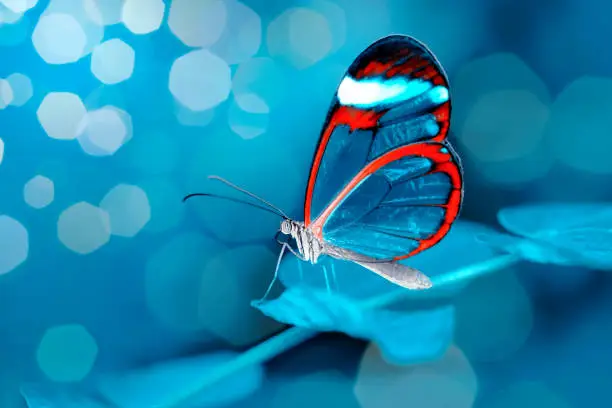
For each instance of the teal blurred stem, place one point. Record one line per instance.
(294, 336)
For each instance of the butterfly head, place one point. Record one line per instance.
(290, 227)
(286, 227)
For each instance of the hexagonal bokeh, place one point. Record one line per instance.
(39, 192)
(247, 272)
(104, 12)
(59, 38)
(301, 35)
(262, 77)
(128, 208)
(512, 73)
(19, 6)
(197, 23)
(142, 16)
(6, 93)
(248, 115)
(241, 38)
(83, 228)
(200, 80)
(22, 88)
(61, 114)
(67, 353)
(450, 382)
(79, 11)
(104, 131)
(113, 61)
(504, 125)
(507, 315)
(571, 119)
(178, 264)
(14, 242)
(8, 16)
(187, 117)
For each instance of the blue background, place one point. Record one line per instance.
(111, 111)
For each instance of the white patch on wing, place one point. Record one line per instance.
(367, 93)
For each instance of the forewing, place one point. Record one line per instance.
(395, 93)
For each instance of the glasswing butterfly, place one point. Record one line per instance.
(385, 184)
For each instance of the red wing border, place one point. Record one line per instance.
(356, 134)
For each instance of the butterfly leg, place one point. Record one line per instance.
(275, 277)
(333, 276)
(326, 276)
(297, 255)
(286, 245)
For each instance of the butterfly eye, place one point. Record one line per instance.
(286, 227)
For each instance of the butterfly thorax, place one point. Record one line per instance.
(309, 246)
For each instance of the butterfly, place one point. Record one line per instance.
(385, 183)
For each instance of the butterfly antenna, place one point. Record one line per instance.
(242, 190)
(187, 197)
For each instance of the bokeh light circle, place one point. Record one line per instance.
(83, 228)
(505, 72)
(225, 307)
(61, 114)
(39, 192)
(142, 16)
(104, 12)
(172, 282)
(128, 209)
(248, 115)
(8, 16)
(301, 35)
(103, 131)
(67, 353)
(15, 244)
(448, 382)
(6, 93)
(197, 23)
(22, 88)
(19, 6)
(262, 77)
(491, 325)
(504, 125)
(241, 37)
(113, 61)
(59, 38)
(200, 80)
(582, 111)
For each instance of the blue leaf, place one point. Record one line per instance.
(457, 250)
(161, 385)
(57, 396)
(404, 337)
(526, 249)
(562, 234)
(164, 384)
